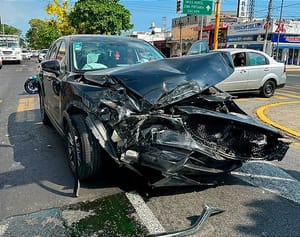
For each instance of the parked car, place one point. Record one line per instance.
(26, 54)
(198, 47)
(118, 98)
(35, 53)
(42, 55)
(254, 71)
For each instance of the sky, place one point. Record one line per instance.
(17, 13)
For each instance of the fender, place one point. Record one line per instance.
(99, 131)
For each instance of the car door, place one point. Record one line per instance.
(259, 67)
(238, 80)
(52, 83)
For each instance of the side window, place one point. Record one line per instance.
(53, 50)
(239, 59)
(61, 56)
(257, 59)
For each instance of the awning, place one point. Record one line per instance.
(288, 46)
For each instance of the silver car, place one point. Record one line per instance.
(254, 71)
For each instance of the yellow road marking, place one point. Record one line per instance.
(289, 95)
(279, 97)
(26, 104)
(260, 113)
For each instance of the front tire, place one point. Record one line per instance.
(268, 89)
(82, 146)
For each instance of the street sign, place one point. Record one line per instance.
(197, 7)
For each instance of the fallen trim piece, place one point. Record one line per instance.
(207, 212)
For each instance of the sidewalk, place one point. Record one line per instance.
(284, 116)
(292, 68)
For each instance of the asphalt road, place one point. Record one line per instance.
(260, 199)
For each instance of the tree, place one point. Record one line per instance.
(100, 16)
(41, 34)
(10, 30)
(60, 12)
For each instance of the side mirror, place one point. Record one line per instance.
(52, 66)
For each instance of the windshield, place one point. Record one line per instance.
(89, 55)
(9, 44)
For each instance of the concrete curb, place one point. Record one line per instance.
(260, 112)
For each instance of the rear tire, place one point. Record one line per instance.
(268, 89)
(82, 146)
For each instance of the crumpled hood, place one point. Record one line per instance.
(154, 79)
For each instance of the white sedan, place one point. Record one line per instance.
(254, 71)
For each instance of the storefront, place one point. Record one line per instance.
(247, 35)
(283, 36)
(286, 39)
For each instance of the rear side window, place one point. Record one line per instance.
(257, 59)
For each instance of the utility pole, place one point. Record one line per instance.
(279, 29)
(217, 23)
(267, 25)
(251, 10)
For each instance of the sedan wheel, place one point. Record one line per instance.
(83, 148)
(268, 89)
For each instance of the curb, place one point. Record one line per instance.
(260, 112)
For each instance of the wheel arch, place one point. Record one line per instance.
(97, 128)
(269, 77)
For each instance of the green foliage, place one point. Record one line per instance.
(100, 17)
(60, 12)
(10, 30)
(41, 34)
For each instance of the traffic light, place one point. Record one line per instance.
(178, 6)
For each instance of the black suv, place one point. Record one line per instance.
(119, 98)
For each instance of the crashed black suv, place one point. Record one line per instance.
(119, 98)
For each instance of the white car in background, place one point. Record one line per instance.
(42, 54)
(254, 71)
(26, 54)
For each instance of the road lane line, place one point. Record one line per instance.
(261, 114)
(289, 95)
(26, 104)
(280, 97)
(144, 212)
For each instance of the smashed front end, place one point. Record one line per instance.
(168, 116)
